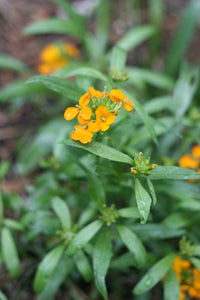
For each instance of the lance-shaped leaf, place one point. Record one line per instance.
(143, 200)
(136, 36)
(9, 252)
(85, 71)
(101, 260)
(62, 211)
(171, 172)
(155, 274)
(60, 85)
(152, 191)
(144, 116)
(12, 224)
(56, 25)
(83, 237)
(134, 244)
(102, 151)
(118, 59)
(171, 286)
(46, 268)
(129, 212)
(10, 63)
(196, 262)
(83, 265)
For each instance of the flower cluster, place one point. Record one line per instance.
(191, 161)
(96, 111)
(53, 57)
(188, 277)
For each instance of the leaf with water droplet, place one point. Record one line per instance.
(155, 274)
(171, 286)
(143, 200)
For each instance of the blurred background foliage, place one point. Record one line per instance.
(162, 46)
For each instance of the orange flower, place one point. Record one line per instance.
(117, 96)
(196, 151)
(186, 161)
(182, 296)
(95, 93)
(84, 112)
(104, 117)
(53, 58)
(81, 134)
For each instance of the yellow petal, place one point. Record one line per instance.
(85, 113)
(94, 126)
(84, 100)
(95, 93)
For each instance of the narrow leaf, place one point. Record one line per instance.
(46, 268)
(83, 265)
(101, 260)
(83, 237)
(152, 191)
(143, 200)
(85, 71)
(3, 296)
(10, 63)
(9, 252)
(155, 274)
(118, 59)
(60, 85)
(12, 224)
(129, 212)
(171, 172)
(102, 151)
(62, 211)
(134, 244)
(196, 262)
(135, 36)
(55, 25)
(171, 286)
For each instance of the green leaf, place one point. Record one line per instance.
(85, 71)
(134, 244)
(19, 88)
(152, 191)
(46, 268)
(102, 151)
(135, 36)
(83, 237)
(195, 262)
(183, 36)
(10, 63)
(12, 224)
(118, 59)
(171, 172)
(147, 121)
(158, 104)
(171, 286)
(185, 89)
(56, 25)
(3, 296)
(1, 208)
(83, 265)
(177, 220)
(4, 168)
(67, 7)
(153, 78)
(9, 252)
(124, 261)
(60, 85)
(96, 190)
(143, 200)
(129, 212)
(101, 260)
(196, 251)
(155, 274)
(62, 211)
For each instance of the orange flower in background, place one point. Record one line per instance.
(196, 151)
(52, 57)
(186, 161)
(81, 134)
(188, 277)
(84, 112)
(104, 117)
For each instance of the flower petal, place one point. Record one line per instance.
(95, 93)
(84, 100)
(70, 113)
(94, 126)
(85, 113)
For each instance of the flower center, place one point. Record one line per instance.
(103, 119)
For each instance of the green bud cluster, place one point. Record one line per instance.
(119, 75)
(186, 247)
(142, 166)
(109, 214)
(67, 235)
